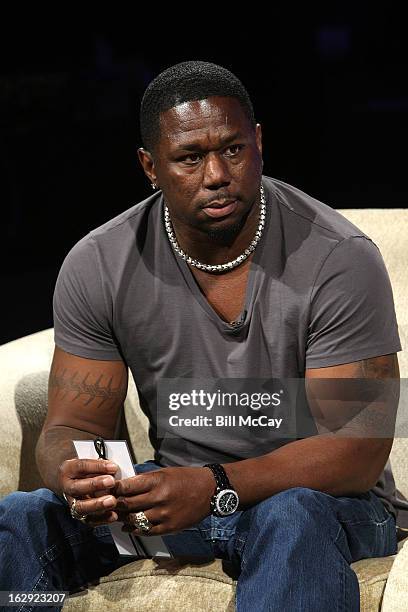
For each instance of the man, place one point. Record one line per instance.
(222, 274)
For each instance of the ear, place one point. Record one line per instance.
(146, 159)
(258, 136)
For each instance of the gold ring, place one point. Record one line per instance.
(74, 512)
(142, 522)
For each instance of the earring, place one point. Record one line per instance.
(154, 186)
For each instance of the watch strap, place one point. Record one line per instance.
(220, 476)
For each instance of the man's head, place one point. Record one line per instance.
(202, 146)
(186, 82)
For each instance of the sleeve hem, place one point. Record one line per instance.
(87, 353)
(342, 358)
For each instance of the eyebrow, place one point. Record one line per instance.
(196, 146)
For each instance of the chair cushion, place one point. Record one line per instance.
(164, 585)
(168, 585)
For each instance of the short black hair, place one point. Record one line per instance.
(184, 82)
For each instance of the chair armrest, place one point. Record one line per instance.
(24, 366)
(396, 590)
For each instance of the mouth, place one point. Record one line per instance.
(218, 209)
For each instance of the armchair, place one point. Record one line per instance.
(168, 585)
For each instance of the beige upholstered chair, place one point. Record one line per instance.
(168, 585)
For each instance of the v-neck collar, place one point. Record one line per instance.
(242, 320)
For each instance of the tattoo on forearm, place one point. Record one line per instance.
(59, 381)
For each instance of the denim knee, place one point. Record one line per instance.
(299, 506)
(20, 500)
(15, 502)
(25, 508)
(296, 497)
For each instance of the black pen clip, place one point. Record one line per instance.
(100, 447)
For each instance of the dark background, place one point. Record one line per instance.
(330, 90)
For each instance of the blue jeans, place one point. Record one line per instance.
(292, 551)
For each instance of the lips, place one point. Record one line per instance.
(217, 204)
(218, 209)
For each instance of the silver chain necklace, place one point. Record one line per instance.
(218, 267)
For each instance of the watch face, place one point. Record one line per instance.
(227, 502)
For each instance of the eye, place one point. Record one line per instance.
(191, 159)
(233, 150)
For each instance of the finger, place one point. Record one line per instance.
(95, 505)
(130, 525)
(156, 529)
(141, 483)
(94, 520)
(160, 529)
(76, 468)
(134, 503)
(103, 492)
(79, 487)
(123, 515)
(138, 532)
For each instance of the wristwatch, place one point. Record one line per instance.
(225, 500)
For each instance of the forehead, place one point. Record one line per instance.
(216, 116)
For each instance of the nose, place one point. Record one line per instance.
(216, 173)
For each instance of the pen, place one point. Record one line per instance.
(100, 447)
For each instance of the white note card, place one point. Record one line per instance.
(126, 543)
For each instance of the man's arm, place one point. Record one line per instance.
(349, 464)
(85, 397)
(336, 465)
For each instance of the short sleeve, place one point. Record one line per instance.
(82, 325)
(352, 314)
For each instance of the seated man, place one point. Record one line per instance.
(222, 273)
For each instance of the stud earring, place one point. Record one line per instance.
(154, 186)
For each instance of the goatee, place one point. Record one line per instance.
(224, 235)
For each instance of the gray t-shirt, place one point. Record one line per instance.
(318, 294)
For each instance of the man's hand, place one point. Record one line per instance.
(173, 498)
(90, 481)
